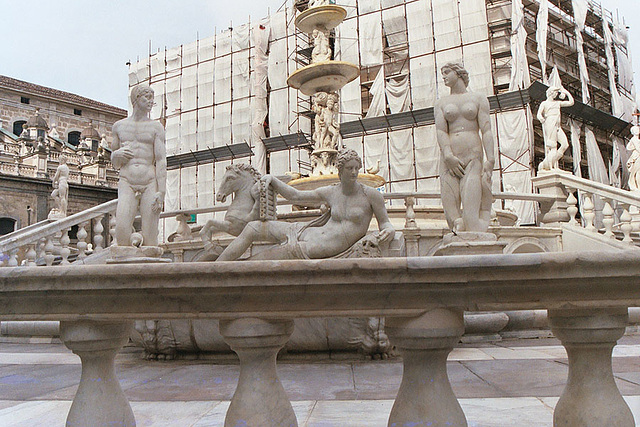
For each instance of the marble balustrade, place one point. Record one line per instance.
(587, 295)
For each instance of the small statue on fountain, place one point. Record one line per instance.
(550, 117)
(321, 49)
(633, 164)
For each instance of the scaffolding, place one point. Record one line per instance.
(206, 91)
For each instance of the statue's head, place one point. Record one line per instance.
(344, 156)
(457, 68)
(635, 130)
(553, 92)
(138, 91)
(62, 159)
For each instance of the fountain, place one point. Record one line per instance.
(322, 80)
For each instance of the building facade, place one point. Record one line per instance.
(225, 98)
(38, 125)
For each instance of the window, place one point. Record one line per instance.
(24, 99)
(73, 138)
(41, 133)
(17, 127)
(7, 225)
(77, 111)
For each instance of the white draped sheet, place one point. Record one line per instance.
(580, 8)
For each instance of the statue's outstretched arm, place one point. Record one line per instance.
(292, 194)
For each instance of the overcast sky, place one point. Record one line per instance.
(82, 46)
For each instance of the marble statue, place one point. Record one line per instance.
(350, 204)
(321, 127)
(321, 49)
(53, 132)
(331, 119)
(138, 151)
(316, 3)
(549, 116)
(239, 180)
(633, 164)
(60, 192)
(466, 146)
(103, 146)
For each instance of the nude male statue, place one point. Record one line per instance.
(138, 151)
(60, 183)
(550, 117)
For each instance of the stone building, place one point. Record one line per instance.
(38, 125)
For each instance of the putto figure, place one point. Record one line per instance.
(138, 151)
(550, 117)
(351, 207)
(466, 147)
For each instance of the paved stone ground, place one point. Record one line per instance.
(511, 383)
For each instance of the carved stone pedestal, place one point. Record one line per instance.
(425, 396)
(99, 400)
(591, 397)
(259, 399)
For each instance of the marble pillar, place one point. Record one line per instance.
(259, 399)
(99, 400)
(425, 396)
(591, 397)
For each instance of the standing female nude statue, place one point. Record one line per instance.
(466, 147)
(351, 207)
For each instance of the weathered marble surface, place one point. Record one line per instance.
(313, 288)
(550, 116)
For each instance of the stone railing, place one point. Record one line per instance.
(423, 299)
(49, 240)
(563, 188)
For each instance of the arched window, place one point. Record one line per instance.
(73, 138)
(7, 225)
(17, 127)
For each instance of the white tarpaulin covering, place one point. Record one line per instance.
(580, 9)
(240, 38)
(278, 64)
(477, 61)
(172, 200)
(206, 77)
(442, 58)
(189, 88)
(520, 78)
(241, 120)
(423, 81)
(206, 49)
(190, 54)
(625, 70)
(205, 128)
(473, 20)
(240, 74)
(223, 79)
(188, 188)
(375, 149)
(259, 39)
(279, 112)
(616, 102)
(575, 147)
(401, 158)
(446, 24)
(514, 141)
(420, 28)
(542, 29)
(378, 105)
(394, 24)
(188, 128)
(398, 94)
(597, 168)
(205, 190)
(370, 39)
(222, 124)
(172, 135)
(366, 6)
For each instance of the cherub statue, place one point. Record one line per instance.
(321, 49)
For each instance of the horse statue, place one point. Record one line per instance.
(241, 180)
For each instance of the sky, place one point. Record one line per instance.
(82, 46)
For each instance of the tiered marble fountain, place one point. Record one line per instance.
(322, 80)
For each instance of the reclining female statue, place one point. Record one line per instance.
(351, 207)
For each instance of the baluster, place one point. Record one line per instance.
(112, 229)
(607, 220)
(48, 252)
(97, 235)
(40, 250)
(410, 215)
(13, 258)
(82, 240)
(626, 226)
(589, 212)
(64, 242)
(31, 255)
(572, 209)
